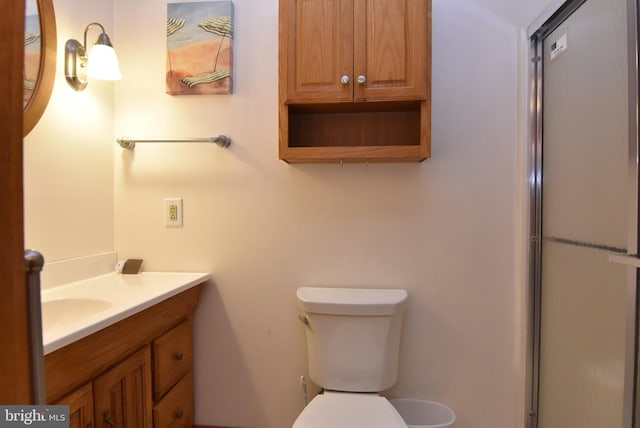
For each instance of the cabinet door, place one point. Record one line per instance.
(123, 394)
(80, 404)
(318, 35)
(391, 49)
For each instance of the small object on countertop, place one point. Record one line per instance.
(132, 266)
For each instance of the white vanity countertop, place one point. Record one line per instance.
(73, 311)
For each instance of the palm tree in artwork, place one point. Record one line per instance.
(173, 25)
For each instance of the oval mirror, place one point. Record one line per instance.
(39, 59)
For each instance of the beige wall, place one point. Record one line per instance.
(448, 230)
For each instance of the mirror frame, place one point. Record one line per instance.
(46, 70)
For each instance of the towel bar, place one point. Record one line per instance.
(130, 143)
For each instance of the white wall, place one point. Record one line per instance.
(444, 229)
(447, 229)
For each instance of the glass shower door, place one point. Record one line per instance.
(587, 196)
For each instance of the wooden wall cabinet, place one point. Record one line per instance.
(137, 373)
(355, 80)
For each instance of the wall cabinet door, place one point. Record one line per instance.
(122, 395)
(390, 50)
(355, 50)
(319, 49)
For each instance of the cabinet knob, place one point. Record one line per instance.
(345, 80)
(362, 79)
(178, 356)
(179, 414)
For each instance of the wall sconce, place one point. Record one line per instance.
(101, 63)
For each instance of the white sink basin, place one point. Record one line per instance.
(71, 310)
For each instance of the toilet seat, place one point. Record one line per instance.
(349, 410)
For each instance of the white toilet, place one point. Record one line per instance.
(353, 337)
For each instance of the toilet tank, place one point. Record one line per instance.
(353, 336)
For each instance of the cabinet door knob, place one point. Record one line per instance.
(178, 356)
(362, 79)
(179, 414)
(345, 80)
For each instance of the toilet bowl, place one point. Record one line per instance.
(349, 410)
(353, 338)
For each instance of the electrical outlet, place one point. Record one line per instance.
(173, 212)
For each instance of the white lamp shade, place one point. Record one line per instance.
(103, 63)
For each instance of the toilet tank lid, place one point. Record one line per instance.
(352, 301)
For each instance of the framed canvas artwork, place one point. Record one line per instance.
(199, 48)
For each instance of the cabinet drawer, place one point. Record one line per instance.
(172, 357)
(175, 410)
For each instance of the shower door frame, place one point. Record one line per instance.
(536, 35)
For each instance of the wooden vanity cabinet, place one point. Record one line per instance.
(172, 357)
(122, 395)
(173, 377)
(175, 410)
(136, 373)
(348, 69)
(80, 404)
